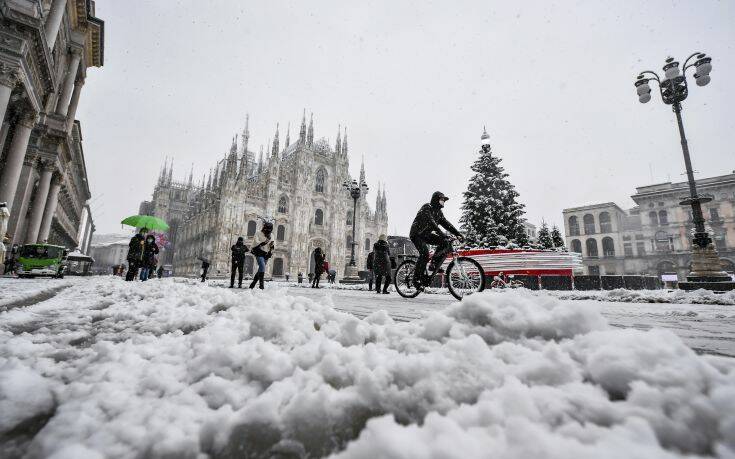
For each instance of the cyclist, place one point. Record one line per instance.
(426, 230)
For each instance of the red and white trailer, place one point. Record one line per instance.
(527, 262)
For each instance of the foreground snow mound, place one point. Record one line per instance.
(650, 296)
(179, 369)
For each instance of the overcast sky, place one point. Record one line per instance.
(414, 82)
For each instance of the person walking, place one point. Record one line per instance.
(4, 217)
(382, 263)
(150, 250)
(318, 267)
(160, 272)
(369, 267)
(205, 266)
(300, 277)
(238, 261)
(263, 247)
(332, 276)
(135, 254)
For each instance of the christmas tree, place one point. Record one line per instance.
(544, 237)
(490, 212)
(556, 237)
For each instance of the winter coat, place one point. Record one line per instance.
(326, 266)
(370, 258)
(149, 254)
(135, 248)
(238, 252)
(430, 219)
(381, 262)
(318, 262)
(262, 245)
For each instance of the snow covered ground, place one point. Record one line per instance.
(175, 368)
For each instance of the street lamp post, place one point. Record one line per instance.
(706, 269)
(356, 190)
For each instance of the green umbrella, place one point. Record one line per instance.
(145, 221)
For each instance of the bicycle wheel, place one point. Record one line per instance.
(404, 280)
(465, 277)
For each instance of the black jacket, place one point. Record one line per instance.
(381, 262)
(135, 248)
(370, 258)
(318, 262)
(149, 254)
(430, 219)
(238, 252)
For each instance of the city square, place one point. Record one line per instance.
(366, 230)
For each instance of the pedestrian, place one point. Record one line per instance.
(311, 278)
(205, 266)
(238, 261)
(318, 266)
(382, 263)
(263, 247)
(326, 270)
(150, 250)
(4, 238)
(332, 276)
(369, 267)
(287, 275)
(300, 277)
(160, 272)
(135, 254)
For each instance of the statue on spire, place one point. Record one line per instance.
(302, 132)
(246, 135)
(344, 143)
(288, 135)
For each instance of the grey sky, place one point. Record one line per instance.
(414, 82)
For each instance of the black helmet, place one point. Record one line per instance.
(437, 197)
(267, 226)
(240, 240)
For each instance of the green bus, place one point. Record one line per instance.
(41, 260)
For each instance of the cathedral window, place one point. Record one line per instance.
(319, 217)
(367, 244)
(349, 218)
(281, 233)
(321, 176)
(252, 227)
(349, 242)
(282, 205)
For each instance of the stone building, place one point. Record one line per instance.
(296, 185)
(46, 47)
(654, 237)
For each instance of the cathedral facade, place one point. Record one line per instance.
(298, 187)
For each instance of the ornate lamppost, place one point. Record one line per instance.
(706, 264)
(356, 190)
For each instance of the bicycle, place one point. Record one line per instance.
(500, 281)
(464, 276)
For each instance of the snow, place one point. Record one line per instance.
(13, 290)
(177, 368)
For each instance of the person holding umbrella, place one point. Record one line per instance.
(135, 254)
(137, 242)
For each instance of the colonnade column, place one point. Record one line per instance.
(39, 203)
(54, 22)
(62, 107)
(74, 104)
(89, 239)
(14, 162)
(50, 210)
(82, 225)
(8, 80)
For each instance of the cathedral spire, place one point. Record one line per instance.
(170, 172)
(338, 144)
(288, 135)
(378, 200)
(310, 135)
(344, 143)
(191, 176)
(362, 170)
(276, 143)
(209, 180)
(302, 132)
(260, 160)
(246, 135)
